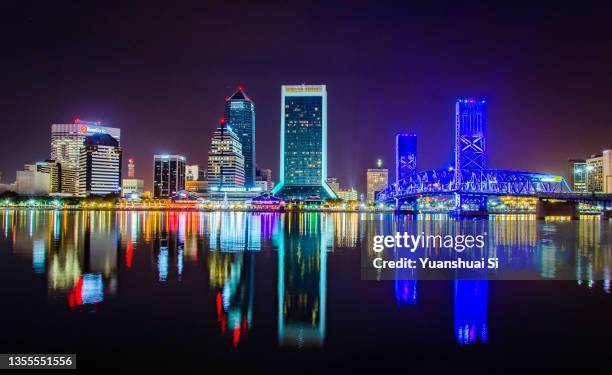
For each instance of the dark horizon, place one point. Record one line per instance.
(162, 75)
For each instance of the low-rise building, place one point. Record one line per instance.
(32, 183)
(132, 187)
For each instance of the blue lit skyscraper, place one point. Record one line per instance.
(303, 165)
(405, 155)
(470, 134)
(240, 116)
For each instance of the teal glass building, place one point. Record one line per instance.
(239, 115)
(303, 162)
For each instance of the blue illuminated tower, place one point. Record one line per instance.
(303, 159)
(470, 134)
(405, 155)
(470, 150)
(240, 116)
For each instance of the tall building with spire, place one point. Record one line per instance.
(225, 159)
(303, 165)
(239, 115)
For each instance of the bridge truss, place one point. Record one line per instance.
(474, 182)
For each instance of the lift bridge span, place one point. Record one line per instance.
(475, 186)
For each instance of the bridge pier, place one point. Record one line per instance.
(406, 206)
(546, 208)
(468, 205)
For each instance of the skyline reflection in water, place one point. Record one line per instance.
(87, 258)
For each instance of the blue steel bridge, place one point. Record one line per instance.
(485, 181)
(471, 183)
(474, 187)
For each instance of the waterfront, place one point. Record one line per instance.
(229, 289)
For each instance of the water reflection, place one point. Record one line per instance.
(232, 279)
(82, 254)
(302, 279)
(470, 311)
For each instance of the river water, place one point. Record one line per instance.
(269, 291)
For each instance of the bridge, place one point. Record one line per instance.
(474, 186)
(471, 183)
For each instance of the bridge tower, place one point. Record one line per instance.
(405, 155)
(470, 151)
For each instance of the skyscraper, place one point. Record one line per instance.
(377, 180)
(66, 143)
(405, 155)
(225, 159)
(240, 116)
(99, 166)
(67, 139)
(169, 175)
(470, 135)
(303, 165)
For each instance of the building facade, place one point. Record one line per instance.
(303, 161)
(405, 155)
(199, 187)
(225, 159)
(377, 180)
(62, 179)
(32, 183)
(239, 114)
(66, 143)
(599, 172)
(333, 184)
(99, 171)
(576, 175)
(132, 188)
(194, 172)
(168, 175)
(67, 139)
(348, 195)
(263, 179)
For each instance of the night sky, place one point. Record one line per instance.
(161, 73)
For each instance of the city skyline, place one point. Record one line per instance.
(158, 95)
